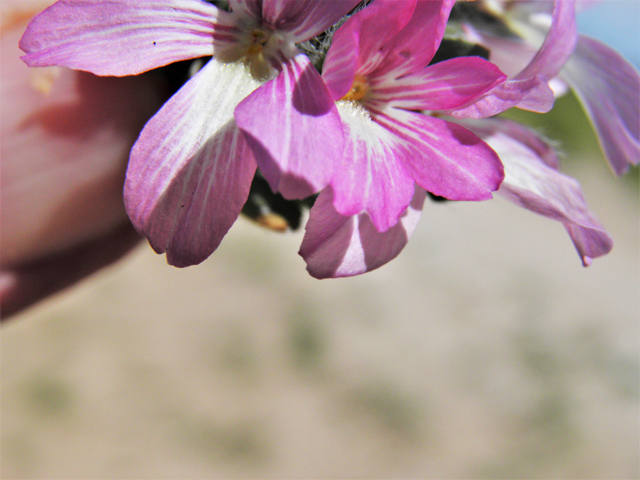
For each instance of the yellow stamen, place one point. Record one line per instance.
(358, 89)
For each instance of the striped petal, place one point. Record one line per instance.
(119, 37)
(532, 184)
(190, 170)
(294, 128)
(441, 86)
(416, 44)
(339, 246)
(444, 158)
(303, 20)
(362, 43)
(371, 177)
(609, 89)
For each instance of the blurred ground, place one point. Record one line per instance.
(484, 351)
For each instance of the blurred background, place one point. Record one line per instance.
(485, 350)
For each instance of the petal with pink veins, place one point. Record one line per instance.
(190, 171)
(118, 38)
(532, 184)
(609, 89)
(339, 246)
(442, 86)
(531, 94)
(294, 128)
(416, 44)
(371, 177)
(444, 158)
(303, 20)
(362, 43)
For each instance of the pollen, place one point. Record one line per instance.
(358, 89)
(260, 39)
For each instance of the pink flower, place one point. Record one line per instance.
(528, 86)
(190, 171)
(532, 181)
(605, 83)
(377, 70)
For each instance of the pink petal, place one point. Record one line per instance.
(558, 45)
(339, 246)
(190, 171)
(250, 8)
(340, 66)
(294, 128)
(442, 86)
(531, 183)
(371, 177)
(445, 159)
(531, 94)
(304, 19)
(362, 43)
(529, 89)
(119, 37)
(416, 44)
(609, 89)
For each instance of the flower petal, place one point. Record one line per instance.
(531, 94)
(445, 158)
(294, 128)
(306, 19)
(190, 170)
(251, 8)
(339, 246)
(529, 89)
(340, 66)
(558, 44)
(531, 183)
(371, 177)
(119, 37)
(361, 44)
(441, 86)
(609, 89)
(416, 44)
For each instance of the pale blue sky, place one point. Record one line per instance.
(617, 23)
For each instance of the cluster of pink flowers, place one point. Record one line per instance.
(371, 131)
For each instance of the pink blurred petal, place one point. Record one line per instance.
(530, 183)
(339, 246)
(529, 89)
(190, 171)
(119, 37)
(294, 128)
(445, 158)
(609, 89)
(442, 86)
(251, 8)
(558, 44)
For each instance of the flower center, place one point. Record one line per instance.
(260, 38)
(358, 90)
